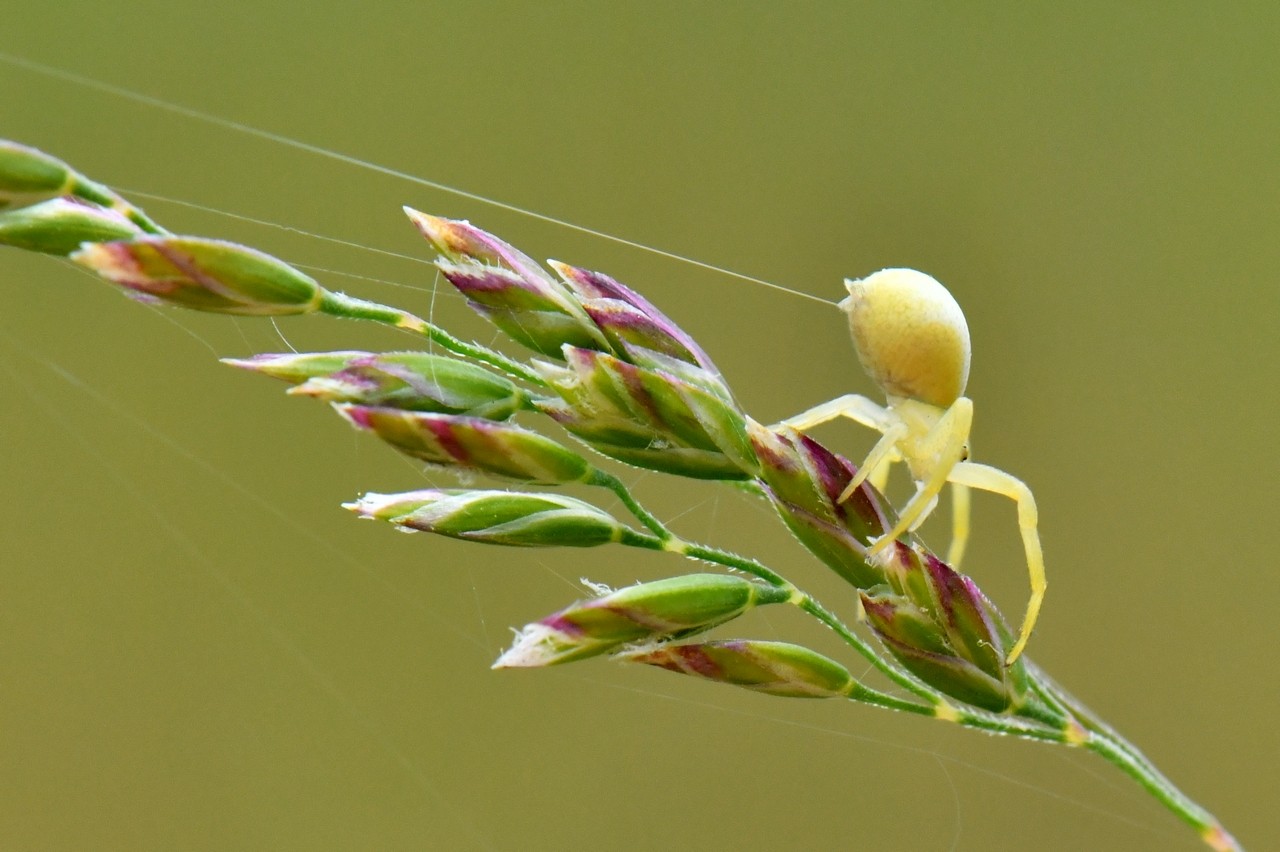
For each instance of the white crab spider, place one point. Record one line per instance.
(912, 340)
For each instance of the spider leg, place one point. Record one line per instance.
(860, 410)
(948, 437)
(997, 481)
(959, 523)
(853, 406)
(879, 477)
(877, 461)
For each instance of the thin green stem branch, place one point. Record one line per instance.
(875, 697)
(643, 515)
(880, 663)
(349, 307)
(92, 191)
(1121, 754)
(1106, 741)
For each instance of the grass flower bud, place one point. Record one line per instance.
(960, 638)
(630, 321)
(677, 606)
(416, 381)
(529, 311)
(387, 507)
(495, 517)
(462, 242)
(970, 622)
(205, 275)
(298, 367)
(964, 619)
(647, 418)
(60, 225)
(28, 176)
(471, 442)
(804, 481)
(777, 668)
(922, 647)
(910, 334)
(508, 288)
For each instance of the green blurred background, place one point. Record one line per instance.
(202, 651)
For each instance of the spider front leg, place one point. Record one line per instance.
(997, 481)
(853, 406)
(860, 410)
(876, 465)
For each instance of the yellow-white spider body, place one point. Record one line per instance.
(913, 341)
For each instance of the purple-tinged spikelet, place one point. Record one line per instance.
(776, 668)
(678, 606)
(205, 275)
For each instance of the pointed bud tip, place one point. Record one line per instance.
(578, 279)
(358, 506)
(385, 506)
(439, 230)
(535, 647)
(417, 217)
(310, 388)
(100, 257)
(358, 416)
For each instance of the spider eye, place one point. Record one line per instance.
(910, 334)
